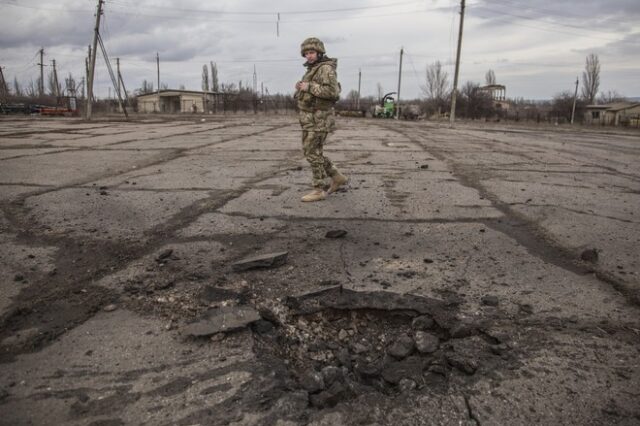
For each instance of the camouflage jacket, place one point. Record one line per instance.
(324, 89)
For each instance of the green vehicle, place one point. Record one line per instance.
(387, 107)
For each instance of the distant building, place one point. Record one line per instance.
(498, 94)
(615, 114)
(179, 101)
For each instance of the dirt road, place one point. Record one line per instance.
(479, 275)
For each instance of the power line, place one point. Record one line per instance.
(499, 12)
(271, 13)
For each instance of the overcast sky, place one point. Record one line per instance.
(536, 48)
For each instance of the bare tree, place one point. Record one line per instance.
(33, 88)
(70, 85)
(215, 87)
(437, 85)
(610, 97)
(17, 89)
(147, 87)
(591, 78)
(352, 98)
(380, 92)
(53, 85)
(205, 78)
(490, 78)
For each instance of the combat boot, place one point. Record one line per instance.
(315, 195)
(337, 181)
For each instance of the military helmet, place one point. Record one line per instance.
(312, 43)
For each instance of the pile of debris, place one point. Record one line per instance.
(339, 343)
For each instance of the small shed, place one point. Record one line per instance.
(615, 114)
(178, 101)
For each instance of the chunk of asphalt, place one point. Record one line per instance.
(426, 343)
(341, 298)
(336, 233)
(222, 320)
(490, 300)
(268, 260)
(164, 254)
(589, 255)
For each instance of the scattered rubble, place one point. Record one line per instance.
(339, 343)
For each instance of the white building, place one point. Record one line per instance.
(179, 101)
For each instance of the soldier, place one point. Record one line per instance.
(316, 93)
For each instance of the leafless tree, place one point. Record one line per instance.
(591, 78)
(205, 78)
(70, 85)
(33, 88)
(490, 78)
(352, 98)
(610, 97)
(437, 85)
(215, 87)
(17, 89)
(147, 87)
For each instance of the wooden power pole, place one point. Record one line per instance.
(56, 86)
(452, 115)
(92, 65)
(575, 97)
(359, 81)
(399, 81)
(41, 85)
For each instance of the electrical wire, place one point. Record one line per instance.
(498, 12)
(272, 13)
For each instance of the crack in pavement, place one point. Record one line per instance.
(529, 234)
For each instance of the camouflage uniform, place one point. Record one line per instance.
(316, 115)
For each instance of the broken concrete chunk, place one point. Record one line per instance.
(110, 307)
(269, 260)
(164, 255)
(589, 255)
(411, 368)
(422, 323)
(312, 381)
(426, 343)
(490, 300)
(336, 233)
(401, 347)
(222, 320)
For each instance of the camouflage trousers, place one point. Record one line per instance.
(321, 166)
(315, 127)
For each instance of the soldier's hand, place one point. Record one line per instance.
(302, 85)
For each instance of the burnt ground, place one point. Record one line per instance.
(489, 274)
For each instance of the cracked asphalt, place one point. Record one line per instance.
(92, 307)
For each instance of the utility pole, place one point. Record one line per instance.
(399, 81)
(56, 87)
(93, 53)
(575, 97)
(452, 115)
(41, 85)
(86, 66)
(359, 81)
(121, 82)
(119, 76)
(158, 68)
